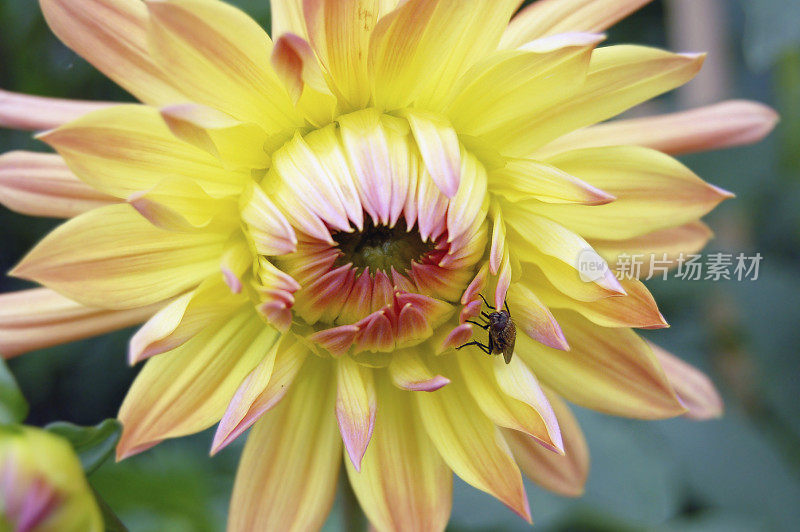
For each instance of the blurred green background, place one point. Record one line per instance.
(741, 472)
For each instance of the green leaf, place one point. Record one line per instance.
(13, 406)
(93, 444)
(111, 522)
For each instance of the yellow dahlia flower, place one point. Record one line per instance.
(42, 485)
(308, 224)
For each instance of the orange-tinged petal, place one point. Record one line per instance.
(112, 35)
(183, 318)
(129, 148)
(339, 32)
(418, 51)
(461, 432)
(665, 245)
(287, 474)
(287, 17)
(608, 370)
(619, 78)
(403, 484)
(263, 388)
(111, 257)
(653, 191)
(220, 57)
(41, 184)
(356, 402)
(713, 127)
(523, 179)
(187, 389)
(694, 388)
(636, 308)
(36, 113)
(533, 317)
(409, 372)
(563, 474)
(550, 17)
(526, 411)
(39, 318)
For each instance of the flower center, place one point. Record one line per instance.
(381, 247)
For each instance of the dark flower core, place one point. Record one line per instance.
(381, 247)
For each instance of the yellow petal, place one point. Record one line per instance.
(403, 484)
(287, 17)
(35, 113)
(665, 245)
(563, 474)
(339, 32)
(180, 204)
(235, 143)
(182, 319)
(523, 179)
(129, 148)
(187, 389)
(548, 17)
(653, 191)
(722, 125)
(112, 36)
(537, 237)
(263, 388)
(41, 184)
(111, 257)
(409, 372)
(287, 475)
(439, 147)
(38, 318)
(266, 224)
(461, 432)
(527, 410)
(418, 51)
(220, 57)
(502, 94)
(470, 203)
(356, 402)
(608, 370)
(566, 279)
(694, 388)
(619, 78)
(533, 317)
(636, 308)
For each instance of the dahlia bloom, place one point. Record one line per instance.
(307, 225)
(42, 485)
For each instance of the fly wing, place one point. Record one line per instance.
(511, 339)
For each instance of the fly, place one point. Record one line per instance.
(502, 332)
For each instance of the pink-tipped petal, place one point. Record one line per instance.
(356, 403)
(41, 184)
(36, 113)
(409, 372)
(694, 388)
(261, 390)
(39, 318)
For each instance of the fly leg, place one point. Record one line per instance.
(484, 348)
